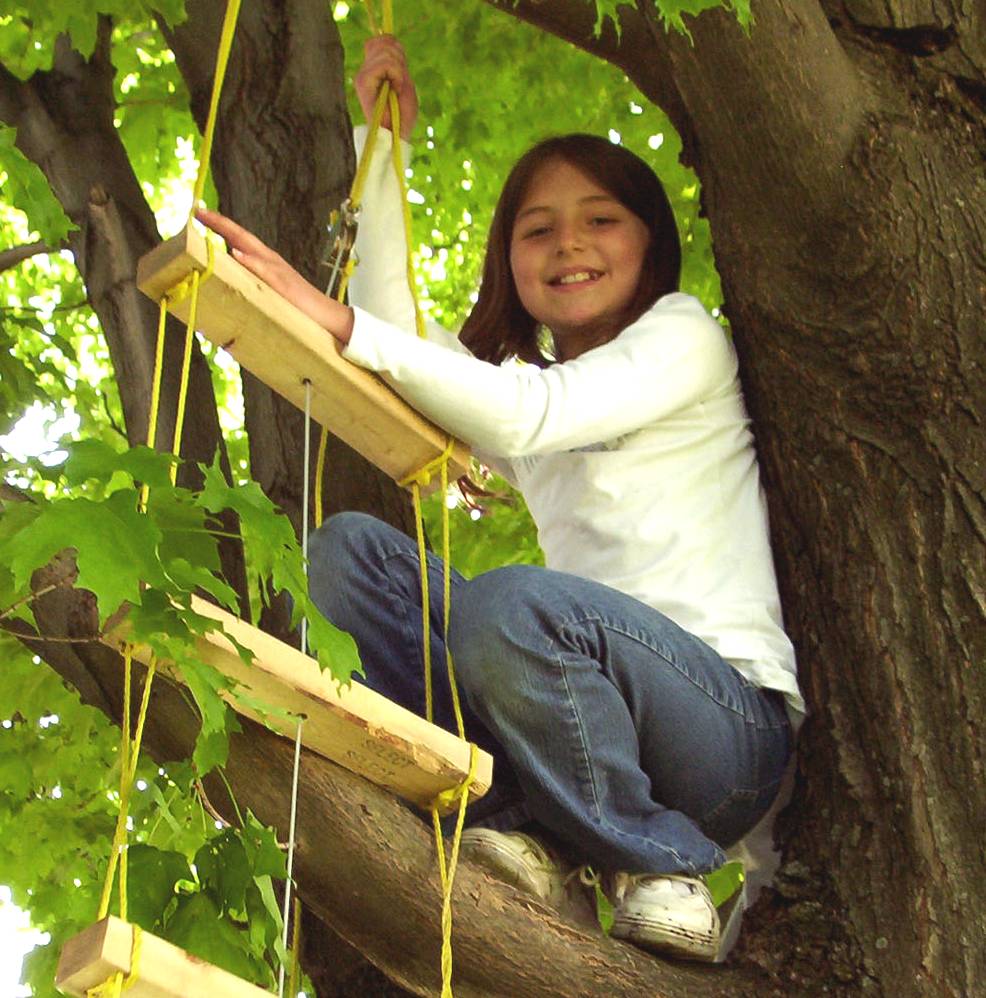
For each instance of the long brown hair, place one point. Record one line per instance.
(499, 326)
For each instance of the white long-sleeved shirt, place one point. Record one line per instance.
(636, 458)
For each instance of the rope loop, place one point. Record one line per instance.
(424, 474)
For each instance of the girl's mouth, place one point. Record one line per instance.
(575, 278)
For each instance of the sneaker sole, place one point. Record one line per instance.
(666, 938)
(502, 864)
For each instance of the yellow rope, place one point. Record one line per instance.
(447, 871)
(222, 59)
(130, 748)
(416, 481)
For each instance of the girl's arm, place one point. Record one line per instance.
(379, 281)
(675, 356)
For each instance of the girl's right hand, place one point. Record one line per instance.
(384, 59)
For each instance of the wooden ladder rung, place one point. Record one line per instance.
(282, 347)
(163, 970)
(353, 726)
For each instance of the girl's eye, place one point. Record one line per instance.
(603, 220)
(535, 232)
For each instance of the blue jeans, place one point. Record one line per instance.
(625, 736)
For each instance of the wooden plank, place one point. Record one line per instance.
(282, 347)
(163, 970)
(353, 726)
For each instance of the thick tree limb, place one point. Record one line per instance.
(725, 99)
(505, 944)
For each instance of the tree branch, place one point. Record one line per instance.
(789, 84)
(10, 258)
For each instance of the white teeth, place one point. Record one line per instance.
(582, 275)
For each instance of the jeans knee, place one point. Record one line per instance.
(336, 552)
(486, 615)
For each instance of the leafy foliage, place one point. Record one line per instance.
(469, 136)
(671, 11)
(25, 186)
(157, 558)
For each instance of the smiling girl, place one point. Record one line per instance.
(635, 692)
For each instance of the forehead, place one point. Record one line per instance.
(557, 184)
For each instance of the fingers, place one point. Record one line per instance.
(238, 239)
(385, 61)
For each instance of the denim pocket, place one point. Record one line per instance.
(729, 820)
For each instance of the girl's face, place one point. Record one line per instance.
(576, 254)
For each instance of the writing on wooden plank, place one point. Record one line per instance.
(282, 347)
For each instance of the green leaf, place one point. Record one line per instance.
(273, 552)
(224, 870)
(604, 909)
(190, 577)
(264, 854)
(218, 721)
(725, 882)
(116, 547)
(27, 189)
(95, 459)
(265, 921)
(151, 878)
(197, 926)
(182, 523)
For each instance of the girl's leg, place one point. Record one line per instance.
(633, 740)
(364, 575)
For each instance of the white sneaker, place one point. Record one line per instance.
(517, 859)
(666, 914)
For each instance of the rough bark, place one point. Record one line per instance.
(840, 149)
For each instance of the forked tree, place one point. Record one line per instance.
(840, 146)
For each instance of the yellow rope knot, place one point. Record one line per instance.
(425, 473)
(187, 285)
(113, 986)
(448, 797)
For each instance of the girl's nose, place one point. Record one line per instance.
(570, 237)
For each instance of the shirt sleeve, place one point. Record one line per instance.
(673, 357)
(379, 281)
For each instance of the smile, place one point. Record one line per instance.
(575, 277)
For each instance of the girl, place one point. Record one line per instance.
(633, 693)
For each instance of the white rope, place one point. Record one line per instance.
(297, 740)
(291, 827)
(304, 499)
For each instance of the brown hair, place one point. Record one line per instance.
(499, 326)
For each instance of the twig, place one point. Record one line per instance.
(207, 804)
(18, 254)
(31, 596)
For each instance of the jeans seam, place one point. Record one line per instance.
(662, 654)
(573, 707)
(599, 812)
